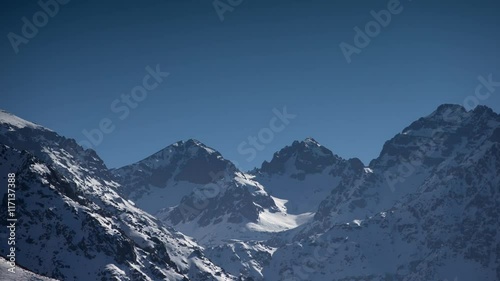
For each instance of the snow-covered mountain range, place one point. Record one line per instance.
(428, 208)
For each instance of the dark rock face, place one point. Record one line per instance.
(189, 161)
(237, 203)
(202, 169)
(308, 156)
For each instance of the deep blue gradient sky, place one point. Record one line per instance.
(227, 76)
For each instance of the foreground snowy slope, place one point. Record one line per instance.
(72, 223)
(19, 274)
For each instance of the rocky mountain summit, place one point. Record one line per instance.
(304, 173)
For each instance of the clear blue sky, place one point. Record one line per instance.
(227, 76)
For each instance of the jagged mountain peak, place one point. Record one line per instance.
(450, 117)
(190, 156)
(307, 156)
(448, 129)
(303, 174)
(193, 143)
(190, 142)
(172, 173)
(309, 141)
(447, 111)
(188, 149)
(446, 108)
